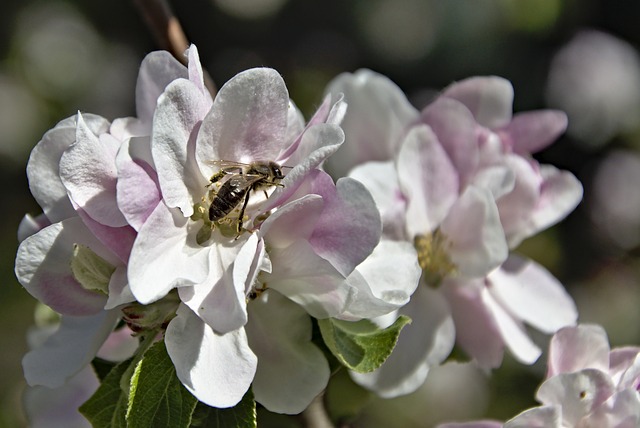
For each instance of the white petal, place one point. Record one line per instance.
(533, 295)
(292, 370)
(377, 118)
(381, 180)
(43, 167)
(490, 99)
(88, 172)
(180, 109)
(217, 369)
(582, 347)
(69, 349)
(427, 178)
(165, 255)
(43, 267)
(473, 228)
(513, 332)
(537, 417)
(389, 276)
(309, 280)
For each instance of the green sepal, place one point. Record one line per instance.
(90, 270)
(243, 415)
(361, 346)
(157, 397)
(107, 407)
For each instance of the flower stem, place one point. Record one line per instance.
(168, 32)
(315, 415)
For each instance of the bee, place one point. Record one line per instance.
(244, 179)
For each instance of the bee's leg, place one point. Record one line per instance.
(241, 216)
(266, 195)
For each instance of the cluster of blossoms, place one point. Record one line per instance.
(214, 225)
(125, 238)
(587, 385)
(457, 180)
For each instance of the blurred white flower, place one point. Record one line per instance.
(595, 79)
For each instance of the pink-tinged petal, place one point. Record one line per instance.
(318, 143)
(248, 120)
(477, 331)
(138, 191)
(165, 255)
(517, 206)
(296, 128)
(119, 291)
(120, 345)
(217, 369)
(69, 349)
(490, 99)
(157, 70)
(381, 180)
(530, 293)
(117, 239)
(455, 128)
(529, 132)
(425, 343)
(292, 370)
(180, 110)
(427, 179)
(220, 301)
(43, 169)
(537, 417)
(578, 393)
(43, 267)
(512, 331)
(476, 237)
(58, 407)
(309, 280)
(376, 120)
(196, 76)
(560, 193)
(624, 366)
(621, 410)
(88, 172)
(30, 225)
(294, 220)
(578, 348)
(385, 280)
(349, 227)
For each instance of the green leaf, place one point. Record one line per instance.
(102, 368)
(107, 407)
(361, 346)
(243, 415)
(157, 397)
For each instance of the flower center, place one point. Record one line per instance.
(433, 257)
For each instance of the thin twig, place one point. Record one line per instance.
(167, 31)
(315, 415)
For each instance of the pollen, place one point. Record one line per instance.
(433, 257)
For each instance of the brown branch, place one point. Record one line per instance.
(315, 416)
(168, 33)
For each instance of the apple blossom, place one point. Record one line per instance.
(457, 180)
(588, 385)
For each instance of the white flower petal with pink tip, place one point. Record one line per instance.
(88, 172)
(43, 169)
(490, 99)
(529, 132)
(43, 267)
(578, 348)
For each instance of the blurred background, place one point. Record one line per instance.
(58, 57)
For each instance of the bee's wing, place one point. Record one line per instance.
(225, 164)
